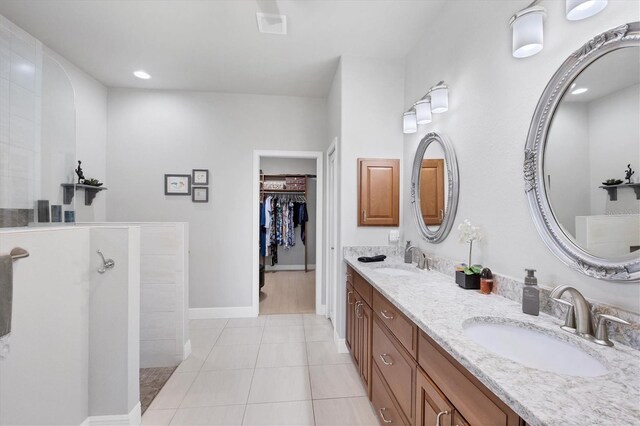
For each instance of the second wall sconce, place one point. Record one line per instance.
(436, 101)
(527, 25)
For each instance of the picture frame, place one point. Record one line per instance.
(175, 184)
(200, 176)
(200, 194)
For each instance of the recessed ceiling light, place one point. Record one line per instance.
(579, 90)
(142, 74)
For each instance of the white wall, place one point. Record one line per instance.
(45, 377)
(295, 255)
(492, 99)
(151, 133)
(567, 164)
(91, 136)
(114, 321)
(371, 102)
(614, 125)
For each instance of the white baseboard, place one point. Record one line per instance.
(341, 344)
(322, 310)
(187, 350)
(134, 418)
(213, 313)
(279, 267)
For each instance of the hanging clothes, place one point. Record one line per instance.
(279, 216)
(263, 231)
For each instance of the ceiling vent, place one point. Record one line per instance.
(269, 23)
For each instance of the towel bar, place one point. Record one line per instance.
(18, 253)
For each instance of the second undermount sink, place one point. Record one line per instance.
(533, 348)
(397, 271)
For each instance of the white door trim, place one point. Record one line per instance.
(331, 253)
(319, 157)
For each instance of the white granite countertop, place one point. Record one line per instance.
(439, 307)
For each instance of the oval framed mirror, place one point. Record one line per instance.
(435, 187)
(583, 142)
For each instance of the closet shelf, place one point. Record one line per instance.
(613, 190)
(90, 192)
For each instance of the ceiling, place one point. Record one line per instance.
(215, 44)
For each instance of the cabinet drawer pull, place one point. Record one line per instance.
(349, 298)
(440, 414)
(384, 419)
(384, 314)
(384, 361)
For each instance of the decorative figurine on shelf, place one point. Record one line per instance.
(80, 173)
(629, 173)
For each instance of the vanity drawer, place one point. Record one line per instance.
(396, 367)
(384, 405)
(474, 402)
(403, 329)
(362, 287)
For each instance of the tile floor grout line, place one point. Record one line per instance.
(253, 373)
(306, 350)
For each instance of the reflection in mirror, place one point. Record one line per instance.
(433, 187)
(594, 136)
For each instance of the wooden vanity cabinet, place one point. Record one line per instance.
(410, 378)
(378, 192)
(358, 325)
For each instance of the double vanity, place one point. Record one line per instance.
(431, 353)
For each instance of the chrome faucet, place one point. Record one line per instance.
(408, 258)
(578, 318)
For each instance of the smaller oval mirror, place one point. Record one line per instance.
(434, 187)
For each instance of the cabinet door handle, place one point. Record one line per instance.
(384, 361)
(440, 414)
(384, 314)
(359, 310)
(384, 419)
(441, 214)
(349, 298)
(364, 215)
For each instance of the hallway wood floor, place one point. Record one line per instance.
(288, 292)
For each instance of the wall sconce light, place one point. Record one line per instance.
(435, 101)
(582, 9)
(527, 28)
(439, 98)
(409, 123)
(423, 110)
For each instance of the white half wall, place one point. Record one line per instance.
(156, 132)
(492, 100)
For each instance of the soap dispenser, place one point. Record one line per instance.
(531, 294)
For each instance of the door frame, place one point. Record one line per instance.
(332, 218)
(320, 285)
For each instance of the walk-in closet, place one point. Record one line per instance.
(287, 235)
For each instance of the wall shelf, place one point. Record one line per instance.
(613, 190)
(90, 192)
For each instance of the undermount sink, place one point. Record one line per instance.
(396, 271)
(533, 348)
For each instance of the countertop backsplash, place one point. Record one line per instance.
(511, 289)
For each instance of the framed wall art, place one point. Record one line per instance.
(200, 194)
(177, 184)
(200, 176)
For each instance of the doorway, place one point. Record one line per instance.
(288, 230)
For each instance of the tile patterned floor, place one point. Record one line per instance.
(270, 370)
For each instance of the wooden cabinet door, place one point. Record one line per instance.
(365, 347)
(350, 323)
(432, 191)
(357, 330)
(432, 407)
(379, 192)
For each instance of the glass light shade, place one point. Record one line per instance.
(528, 34)
(439, 99)
(423, 111)
(582, 9)
(409, 124)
